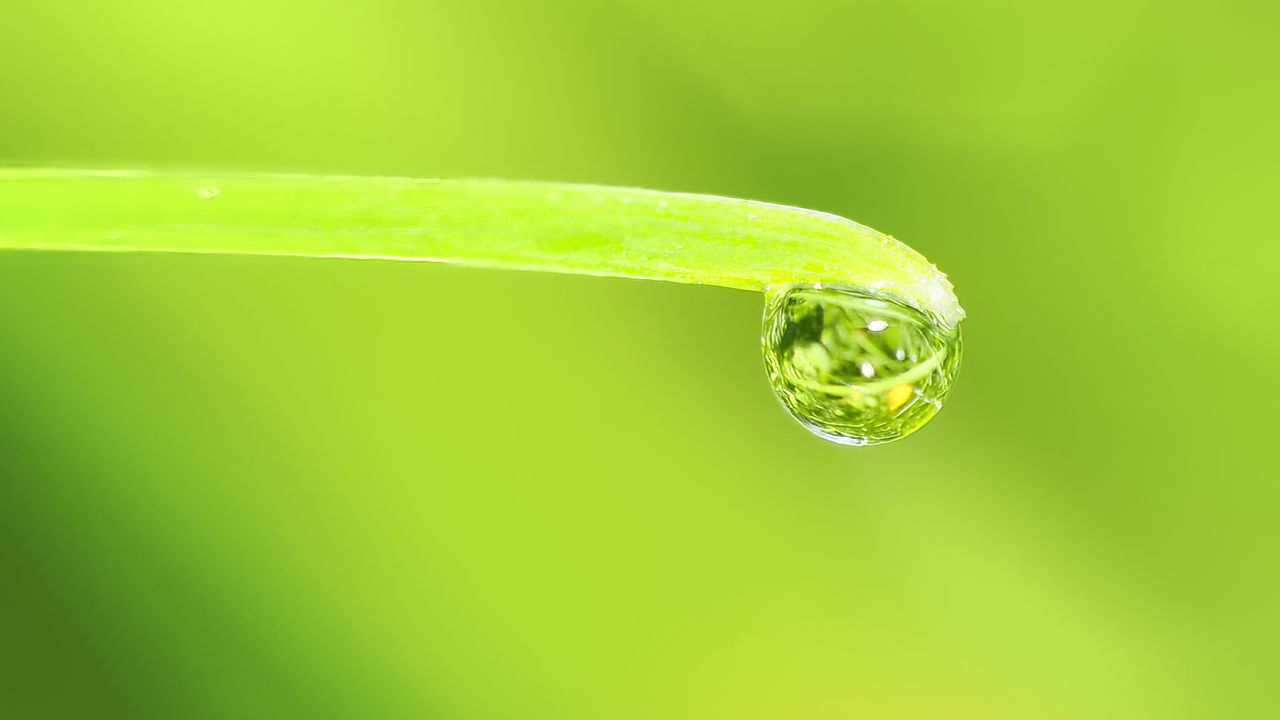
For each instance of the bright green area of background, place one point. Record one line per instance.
(273, 488)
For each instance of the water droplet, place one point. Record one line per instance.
(857, 367)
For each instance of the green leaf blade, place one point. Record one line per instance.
(551, 227)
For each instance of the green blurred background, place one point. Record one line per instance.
(277, 488)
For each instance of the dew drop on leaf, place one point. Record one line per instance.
(854, 366)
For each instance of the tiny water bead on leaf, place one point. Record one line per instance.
(854, 366)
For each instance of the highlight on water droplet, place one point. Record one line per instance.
(854, 366)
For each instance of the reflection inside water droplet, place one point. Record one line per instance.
(854, 366)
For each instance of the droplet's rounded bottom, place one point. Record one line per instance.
(854, 366)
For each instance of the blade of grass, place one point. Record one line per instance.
(550, 227)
